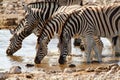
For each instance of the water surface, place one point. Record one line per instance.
(27, 53)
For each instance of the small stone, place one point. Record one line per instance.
(53, 71)
(29, 65)
(29, 76)
(72, 65)
(80, 69)
(69, 70)
(100, 69)
(15, 70)
(89, 70)
(110, 66)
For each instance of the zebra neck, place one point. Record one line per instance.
(48, 8)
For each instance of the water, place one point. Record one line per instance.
(27, 53)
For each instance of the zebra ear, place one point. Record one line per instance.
(26, 8)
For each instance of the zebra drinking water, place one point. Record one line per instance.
(54, 26)
(91, 21)
(46, 9)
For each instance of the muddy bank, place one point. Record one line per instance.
(109, 72)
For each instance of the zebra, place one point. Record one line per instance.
(91, 21)
(54, 26)
(40, 5)
(45, 10)
(63, 2)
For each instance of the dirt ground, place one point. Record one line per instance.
(110, 72)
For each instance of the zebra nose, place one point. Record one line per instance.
(37, 61)
(8, 52)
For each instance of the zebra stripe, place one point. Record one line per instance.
(45, 6)
(92, 21)
(55, 25)
(32, 15)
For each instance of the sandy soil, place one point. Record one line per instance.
(110, 72)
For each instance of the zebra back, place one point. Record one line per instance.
(44, 5)
(55, 23)
(92, 21)
(63, 2)
(54, 26)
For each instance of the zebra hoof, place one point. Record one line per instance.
(100, 61)
(37, 61)
(62, 60)
(88, 62)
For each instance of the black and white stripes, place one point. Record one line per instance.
(35, 13)
(92, 21)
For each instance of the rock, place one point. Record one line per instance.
(15, 70)
(69, 70)
(113, 65)
(29, 76)
(114, 68)
(72, 65)
(80, 69)
(10, 7)
(89, 69)
(10, 22)
(101, 69)
(29, 65)
(3, 76)
(13, 78)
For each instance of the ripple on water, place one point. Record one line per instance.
(27, 53)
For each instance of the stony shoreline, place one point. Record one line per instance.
(110, 72)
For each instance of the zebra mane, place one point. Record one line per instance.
(33, 3)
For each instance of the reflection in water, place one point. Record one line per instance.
(27, 53)
(16, 58)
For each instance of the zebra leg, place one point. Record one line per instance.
(90, 44)
(116, 45)
(65, 48)
(41, 51)
(98, 52)
(99, 45)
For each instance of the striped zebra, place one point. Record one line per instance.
(54, 26)
(91, 21)
(45, 6)
(46, 9)
(62, 2)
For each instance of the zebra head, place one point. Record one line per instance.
(15, 44)
(41, 50)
